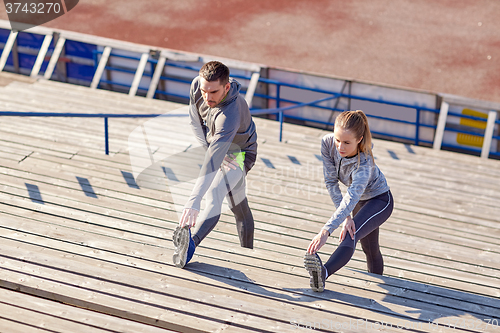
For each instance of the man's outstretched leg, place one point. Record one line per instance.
(184, 242)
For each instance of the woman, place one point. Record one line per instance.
(348, 158)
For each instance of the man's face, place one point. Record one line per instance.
(213, 92)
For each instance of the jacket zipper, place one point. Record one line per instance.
(338, 172)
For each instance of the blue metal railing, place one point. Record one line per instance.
(477, 132)
(278, 100)
(496, 137)
(280, 111)
(106, 116)
(281, 116)
(89, 115)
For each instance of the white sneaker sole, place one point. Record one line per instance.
(181, 244)
(314, 267)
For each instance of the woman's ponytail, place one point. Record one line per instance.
(365, 144)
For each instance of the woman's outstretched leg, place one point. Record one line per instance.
(368, 216)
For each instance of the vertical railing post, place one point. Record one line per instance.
(441, 126)
(252, 86)
(101, 67)
(280, 114)
(106, 135)
(7, 49)
(54, 58)
(280, 118)
(139, 73)
(417, 128)
(488, 134)
(155, 79)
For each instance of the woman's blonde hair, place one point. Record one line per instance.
(357, 123)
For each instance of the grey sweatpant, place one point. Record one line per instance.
(230, 184)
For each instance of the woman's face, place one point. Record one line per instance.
(345, 142)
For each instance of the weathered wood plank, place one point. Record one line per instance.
(373, 306)
(152, 290)
(441, 256)
(102, 266)
(93, 243)
(37, 314)
(11, 325)
(130, 206)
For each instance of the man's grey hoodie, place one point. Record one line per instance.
(227, 128)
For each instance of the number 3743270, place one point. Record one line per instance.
(33, 8)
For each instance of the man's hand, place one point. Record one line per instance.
(188, 217)
(347, 226)
(230, 163)
(318, 241)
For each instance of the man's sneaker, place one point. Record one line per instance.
(316, 270)
(184, 246)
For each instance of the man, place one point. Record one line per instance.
(222, 123)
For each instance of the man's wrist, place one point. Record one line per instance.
(193, 203)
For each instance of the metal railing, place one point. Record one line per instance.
(476, 133)
(105, 116)
(276, 99)
(280, 112)
(416, 138)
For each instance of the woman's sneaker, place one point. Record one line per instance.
(317, 272)
(184, 246)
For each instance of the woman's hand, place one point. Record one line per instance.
(347, 226)
(318, 241)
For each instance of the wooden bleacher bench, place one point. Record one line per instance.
(78, 263)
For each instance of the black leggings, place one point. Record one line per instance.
(368, 216)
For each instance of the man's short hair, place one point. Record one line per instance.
(215, 70)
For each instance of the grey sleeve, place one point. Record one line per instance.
(330, 171)
(196, 122)
(226, 127)
(354, 192)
